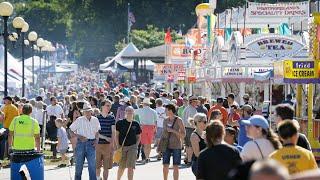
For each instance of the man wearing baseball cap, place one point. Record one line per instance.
(10, 111)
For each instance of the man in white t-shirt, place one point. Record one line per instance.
(54, 111)
(161, 115)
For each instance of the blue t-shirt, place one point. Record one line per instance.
(106, 124)
(242, 137)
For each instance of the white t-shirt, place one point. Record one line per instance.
(38, 115)
(161, 115)
(86, 128)
(251, 151)
(55, 110)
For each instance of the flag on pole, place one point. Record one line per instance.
(167, 37)
(131, 19)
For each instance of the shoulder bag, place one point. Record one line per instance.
(164, 141)
(118, 153)
(259, 149)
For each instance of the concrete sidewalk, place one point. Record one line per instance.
(152, 170)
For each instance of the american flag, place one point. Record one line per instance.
(131, 18)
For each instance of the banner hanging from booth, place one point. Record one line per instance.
(266, 10)
(168, 72)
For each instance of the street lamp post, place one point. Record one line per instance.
(32, 36)
(40, 44)
(46, 49)
(6, 10)
(22, 27)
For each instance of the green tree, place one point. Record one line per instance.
(143, 39)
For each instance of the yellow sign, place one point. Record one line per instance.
(300, 69)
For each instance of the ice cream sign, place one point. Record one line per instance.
(275, 46)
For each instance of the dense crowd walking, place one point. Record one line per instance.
(107, 126)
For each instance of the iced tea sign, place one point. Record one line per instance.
(275, 47)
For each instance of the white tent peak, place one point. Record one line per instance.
(129, 49)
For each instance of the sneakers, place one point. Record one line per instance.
(62, 165)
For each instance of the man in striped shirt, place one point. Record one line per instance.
(104, 149)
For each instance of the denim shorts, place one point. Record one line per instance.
(159, 132)
(176, 153)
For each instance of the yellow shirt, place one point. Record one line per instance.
(10, 111)
(23, 135)
(295, 158)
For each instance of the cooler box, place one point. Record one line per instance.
(34, 162)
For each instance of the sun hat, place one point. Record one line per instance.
(146, 101)
(257, 120)
(87, 107)
(126, 99)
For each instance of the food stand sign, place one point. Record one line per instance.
(275, 46)
(301, 71)
(233, 72)
(265, 10)
(182, 52)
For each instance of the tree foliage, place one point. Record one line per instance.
(91, 28)
(148, 38)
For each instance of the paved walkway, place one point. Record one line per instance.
(152, 170)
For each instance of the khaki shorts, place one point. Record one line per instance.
(104, 156)
(129, 157)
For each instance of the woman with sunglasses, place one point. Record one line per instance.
(199, 121)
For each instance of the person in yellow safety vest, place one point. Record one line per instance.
(25, 131)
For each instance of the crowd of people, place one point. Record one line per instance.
(217, 140)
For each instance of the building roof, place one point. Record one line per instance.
(156, 54)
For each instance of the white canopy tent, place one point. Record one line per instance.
(13, 82)
(129, 65)
(129, 49)
(14, 67)
(28, 62)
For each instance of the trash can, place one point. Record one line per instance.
(34, 162)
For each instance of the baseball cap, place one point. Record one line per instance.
(7, 98)
(257, 120)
